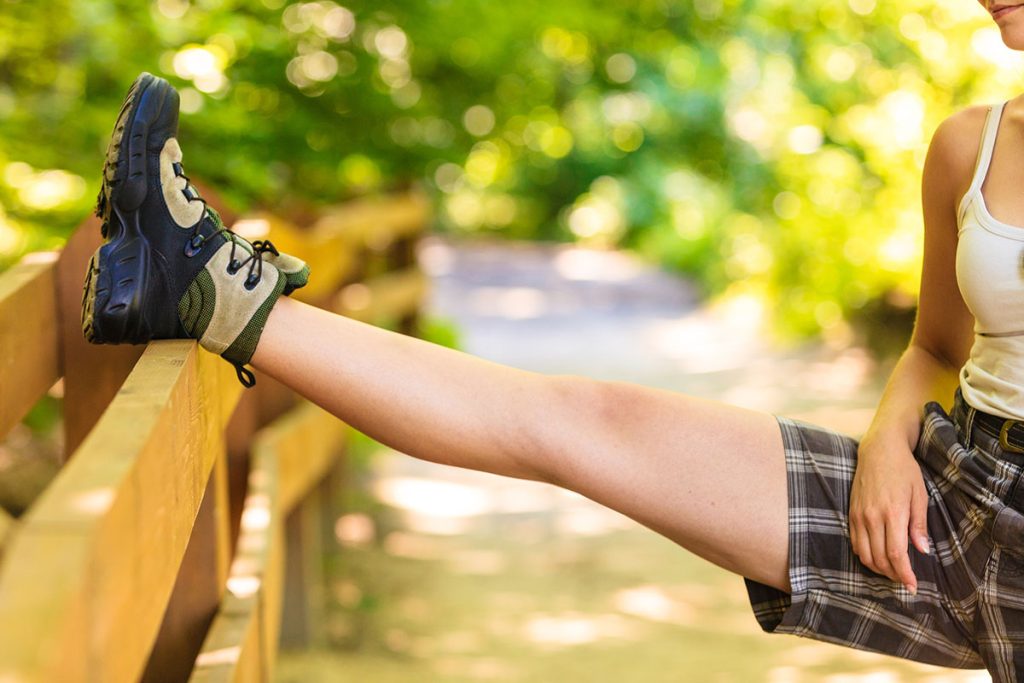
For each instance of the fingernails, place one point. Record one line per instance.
(912, 589)
(924, 544)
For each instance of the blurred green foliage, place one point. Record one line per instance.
(441, 331)
(771, 149)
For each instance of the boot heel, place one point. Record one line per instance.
(117, 282)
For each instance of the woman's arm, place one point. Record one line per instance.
(888, 496)
(943, 332)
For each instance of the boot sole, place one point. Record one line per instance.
(115, 282)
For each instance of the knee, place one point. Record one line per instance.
(577, 423)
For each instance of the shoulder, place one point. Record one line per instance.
(957, 139)
(953, 151)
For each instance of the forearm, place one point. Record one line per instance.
(918, 377)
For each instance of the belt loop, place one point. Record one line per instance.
(969, 424)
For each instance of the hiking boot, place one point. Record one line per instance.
(169, 269)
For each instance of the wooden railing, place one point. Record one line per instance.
(186, 506)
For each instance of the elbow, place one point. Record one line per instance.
(582, 419)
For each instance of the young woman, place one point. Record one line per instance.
(907, 542)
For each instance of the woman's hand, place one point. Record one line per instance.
(887, 499)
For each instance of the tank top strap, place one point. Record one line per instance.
(984, 158)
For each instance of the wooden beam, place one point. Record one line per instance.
(290, 456)
(273, 591)
(93, 373)
(223, 547)
(302, 619)
(233, 649)
(375, 222)
(41, 339)
(242, 641)
(198, 588)
(29, 340)
(306, 442)
(384, 298)
(86, 579)
(46, 287)
(330, 257)
(7, 525)
(334, 245)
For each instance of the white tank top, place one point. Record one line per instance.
(990, 274)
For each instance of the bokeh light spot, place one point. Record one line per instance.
(478, 120)
(338, 24)
(620, 68)
(786, 205)
(628, 136)
(172, 9)
(360, 171)
(863, 7)
(556, 142)
(391, 42)
(805, 139)
(203, 65)
(191, 100)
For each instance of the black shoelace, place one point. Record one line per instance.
(255, 259)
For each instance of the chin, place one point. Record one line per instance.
(1012, 27)
(1013, 36)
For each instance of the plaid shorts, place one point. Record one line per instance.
(969, 609)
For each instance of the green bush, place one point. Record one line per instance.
(763, 147)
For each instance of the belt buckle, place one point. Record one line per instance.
(1004, 434)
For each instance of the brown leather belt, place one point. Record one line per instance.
(1009, 432)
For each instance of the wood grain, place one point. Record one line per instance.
(88, 573)
(86, 579)
(93, 373)
(335, 245)
(306, 442)
(242, 641)
(29, 341)
(7, 526)
(384, 299)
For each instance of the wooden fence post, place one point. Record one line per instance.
(302, 616)
(93, 373)
(128, 565)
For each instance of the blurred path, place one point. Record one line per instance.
(452, 575)
(606, 314)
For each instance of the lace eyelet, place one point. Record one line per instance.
(251, 283)
(194, 246)
(234, 266)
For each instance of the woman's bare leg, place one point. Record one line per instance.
(708, 475)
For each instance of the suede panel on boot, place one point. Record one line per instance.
(234, 305)
(184, 211)
(295, 270)
(242, 349)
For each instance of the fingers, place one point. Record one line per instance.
(888, 511)
(876, 528)
(896, 552)
(919, 519)
(880, 541)
(860, 542)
